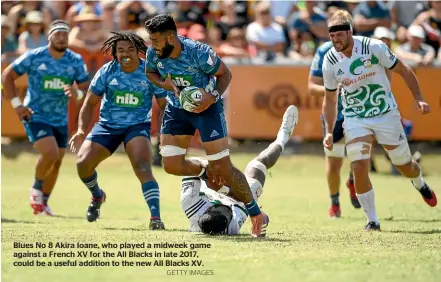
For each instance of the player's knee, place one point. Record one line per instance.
(51, 156)
(142, 167)
(359, 151)
(360, 166)
(222, 167)
(400, 155)
(85, 165)
(172, 167)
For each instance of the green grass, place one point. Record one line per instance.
(303, 244)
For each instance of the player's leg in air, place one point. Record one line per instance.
(215, 217)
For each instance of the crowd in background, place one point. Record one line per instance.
(241, 29)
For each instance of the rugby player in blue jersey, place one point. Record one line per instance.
(173, 63)
(125, 117)
(51, 71)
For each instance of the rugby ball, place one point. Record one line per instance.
(189, 96)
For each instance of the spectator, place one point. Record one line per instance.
(133, 14)
(57, 9)
(109, 17)
(230, 18)
(282, 10)
(6, 6)
(75, 10)
(415, 50)
(431, 21)
(384, 34)
(369, 15)
(88, 34)
(265, 35)
(305, 50)
(17, 15)
(311, 20)
(9, 44)
(236, 45)
(186, 14)
(403, 13)
(35, 34)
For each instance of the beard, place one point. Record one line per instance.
(166, 51)
(60, 49)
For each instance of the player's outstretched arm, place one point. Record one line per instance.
(315, 86)
(412, 83)
(8, 84)
(330, 116)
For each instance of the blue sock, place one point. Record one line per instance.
(252, 208)
(92, 183)
(38, 184)
(150, 191)
(46, 198)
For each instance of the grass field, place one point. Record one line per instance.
(303, 244)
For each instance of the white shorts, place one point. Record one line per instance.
(387, 128)
(256, 187)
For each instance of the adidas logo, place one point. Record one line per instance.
(113, 82)
(160, 65)
(214, 134)
(340, 72)
(143, 133)
(401, 137)
(42, 67)
(153, 208)
(41, 133)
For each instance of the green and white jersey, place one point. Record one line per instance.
(366, 88)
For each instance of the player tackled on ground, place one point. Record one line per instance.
(173, 63)
(125, 116)
(215, 213)
(334, 158)
(51, 70)
(369, 107)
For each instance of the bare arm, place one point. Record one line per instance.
(315, 86)
(429, 57)
(319, 29)
(121, 10)
(362, 24)
(8, 80)
(70, 14)
(330, 110)
(86, 112)
(410, 78)
(277, 47)
(403, 55)
(22, 44)
(224, 77)
(162, 102)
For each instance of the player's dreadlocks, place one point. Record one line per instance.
(136, 40)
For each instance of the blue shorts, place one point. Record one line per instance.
(338, 133)
(210, 123)
(38, 130)
(111, 138)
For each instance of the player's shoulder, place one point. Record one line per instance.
(324, 48)
(194, 46)
(151, 54)
(72, 55)
(331, 56)
(109, 67)
(368, 44)
(38, 52)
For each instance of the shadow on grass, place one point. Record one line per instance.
(244, 238)
(8, 220)
(143, 229)
(411, 220)
(426, 232)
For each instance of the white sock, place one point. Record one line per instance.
(367, 201)
(418, 181)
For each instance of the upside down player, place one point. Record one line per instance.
(124, 117)
(173, 63)
(51, 72)
(334, 157)
(359, 64)
(215, 213)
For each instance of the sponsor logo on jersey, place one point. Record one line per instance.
(182, 80)
(361, 62)
(130, 100)
(51, 83)
(348, 82)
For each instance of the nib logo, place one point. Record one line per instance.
(53, 83)
(132, 100)
(179, 81)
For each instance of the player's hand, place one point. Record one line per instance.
(328, 142)
(206, 101)
(76, 141)
(70, 91)
(257, 223)
(24, 113)
(170, 85)
(423, 107)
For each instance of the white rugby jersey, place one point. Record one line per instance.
(367, 91)
(196, 198)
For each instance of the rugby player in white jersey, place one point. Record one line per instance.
(218, 213)
(359, 64)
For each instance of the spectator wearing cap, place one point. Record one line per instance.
(9, 44)
(431, 22)
(75, 10)
(264, 34)
(133, 14)
(403, 13)
(88, 34)
(35, 35)
(369, 15)
(17, 15)
(415, 50)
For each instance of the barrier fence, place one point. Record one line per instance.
(258, 96)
